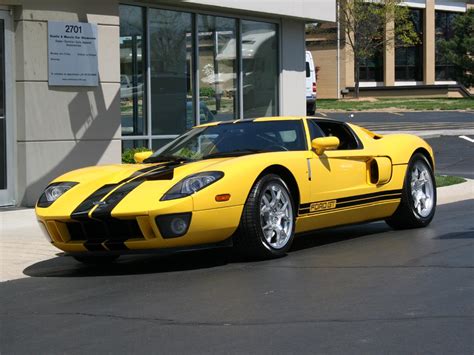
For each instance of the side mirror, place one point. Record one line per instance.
(321, 144)
(141, 156)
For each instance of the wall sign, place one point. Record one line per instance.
(72, 54)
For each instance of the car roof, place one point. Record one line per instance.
(264, 119)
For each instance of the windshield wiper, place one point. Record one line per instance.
(234, 153)
(165, 158)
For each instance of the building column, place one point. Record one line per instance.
(429, 43)
(293, 73)
(389, 55)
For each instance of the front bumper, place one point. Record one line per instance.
(125, 234)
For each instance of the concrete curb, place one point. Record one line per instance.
(431, 133)
(456, 193)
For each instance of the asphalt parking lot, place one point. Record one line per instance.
(454, 155)
(363, 289)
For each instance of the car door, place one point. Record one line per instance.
(341, 187)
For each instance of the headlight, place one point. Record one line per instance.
(53, 192)
(192, 184)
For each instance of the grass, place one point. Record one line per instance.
(396, 104)
(445, 180)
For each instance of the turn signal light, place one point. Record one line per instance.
(223, 197)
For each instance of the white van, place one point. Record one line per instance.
(310, 85)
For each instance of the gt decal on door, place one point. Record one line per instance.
(324, 205)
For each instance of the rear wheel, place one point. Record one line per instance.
(96, 260)
(418, 203)
(267, 225)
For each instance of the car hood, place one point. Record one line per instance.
(135, 183)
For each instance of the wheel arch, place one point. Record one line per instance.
(287, 176)
(426, 154)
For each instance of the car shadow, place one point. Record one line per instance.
(62, 266)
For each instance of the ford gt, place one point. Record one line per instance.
(253, 184)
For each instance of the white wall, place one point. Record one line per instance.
(311, 10)
(293, 75)
(63, 128)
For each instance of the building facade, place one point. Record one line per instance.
(162, 67)
(396, 71)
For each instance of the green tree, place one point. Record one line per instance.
(459, 50)
(369, 26)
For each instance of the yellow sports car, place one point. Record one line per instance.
(251, 183)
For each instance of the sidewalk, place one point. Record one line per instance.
(22, 243)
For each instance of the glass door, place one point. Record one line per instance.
(6, 151)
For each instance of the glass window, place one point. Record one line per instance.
(2, 79)
(171, 72)
(158, 143)
(260, 69)
(314, 130)
(132, 70)
(3, 136)
(409, 59)
(239, 138)
(138, 143)
(163, 69)
(371, 69)
(217, 68)
(339, 130)
(444, 69)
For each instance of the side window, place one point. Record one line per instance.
(341, 131)
(314, 130)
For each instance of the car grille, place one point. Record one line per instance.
(110, 229)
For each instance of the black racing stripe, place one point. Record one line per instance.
(351, 204)
(307, 206)
(358, 197)
(368, 200)
(81, 211)
(105, 210)
(141, 172)
(353, 201)
(165, 174)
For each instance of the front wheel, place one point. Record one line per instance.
(418, 204)
(267, 225)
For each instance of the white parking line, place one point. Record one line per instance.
(467, 138)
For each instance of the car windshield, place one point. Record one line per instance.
(233, 139)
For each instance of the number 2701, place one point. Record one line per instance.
(73, 29)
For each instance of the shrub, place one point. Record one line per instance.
(127, 155)
(207, 91)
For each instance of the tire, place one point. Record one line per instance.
(97, 260)
(418, 204)
(267, 225)
(311, 110)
